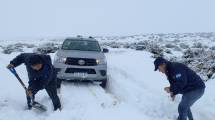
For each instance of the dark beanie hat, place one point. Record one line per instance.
(35, 59)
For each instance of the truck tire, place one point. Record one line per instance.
(104, 83)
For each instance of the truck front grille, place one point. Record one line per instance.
(81, 61)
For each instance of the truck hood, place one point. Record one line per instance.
(80, 54)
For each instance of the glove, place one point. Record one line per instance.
(167, 89)
(29, 93)
(10, 66)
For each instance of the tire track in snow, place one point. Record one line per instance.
(102, 96)
(95, 92)
(90, 91)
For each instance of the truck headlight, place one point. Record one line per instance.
(59, 59)
(101, 61)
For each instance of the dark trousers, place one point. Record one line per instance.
(59, 82)
(188, 99)
(51, 89)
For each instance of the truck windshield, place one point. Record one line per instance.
(82, 45)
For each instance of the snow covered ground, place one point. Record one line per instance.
(135, 92)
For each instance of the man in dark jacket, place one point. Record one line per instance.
(183, 81)
(42, 75)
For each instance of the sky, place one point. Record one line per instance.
(21, 19)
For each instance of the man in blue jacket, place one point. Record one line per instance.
(183, 81)
(42, 75)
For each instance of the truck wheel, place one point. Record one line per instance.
(103, 84)
(59, 81)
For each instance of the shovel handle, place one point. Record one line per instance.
(12, 70)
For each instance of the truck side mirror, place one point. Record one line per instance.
(105, 50)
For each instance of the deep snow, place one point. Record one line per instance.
(134, 91)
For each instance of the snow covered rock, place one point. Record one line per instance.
(18, 47)
(47, 48)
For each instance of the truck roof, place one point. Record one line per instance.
(81, 38)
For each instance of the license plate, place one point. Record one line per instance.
(81, 75)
